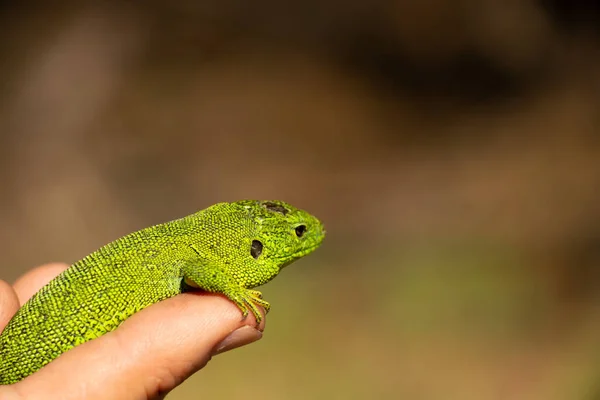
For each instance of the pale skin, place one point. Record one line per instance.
(132, 362)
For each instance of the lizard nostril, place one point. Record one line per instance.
(256, 249)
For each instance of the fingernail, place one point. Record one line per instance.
(238, 338)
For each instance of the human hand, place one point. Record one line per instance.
(148, 355)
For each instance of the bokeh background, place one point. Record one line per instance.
(450, 147)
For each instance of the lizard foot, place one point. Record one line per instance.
(247, 302)
(258, 298)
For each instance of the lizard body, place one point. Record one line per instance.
(228, 248)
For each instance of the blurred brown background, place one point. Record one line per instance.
(450, 147)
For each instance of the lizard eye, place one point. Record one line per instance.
(256, 249)
(300, 230)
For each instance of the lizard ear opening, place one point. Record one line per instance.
(256, 249)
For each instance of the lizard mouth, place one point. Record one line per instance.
(299, 254)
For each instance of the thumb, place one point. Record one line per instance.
(148, 355)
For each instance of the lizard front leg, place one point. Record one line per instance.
(212, 278)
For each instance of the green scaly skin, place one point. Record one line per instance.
(228, 248)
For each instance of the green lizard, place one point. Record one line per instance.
(228, 248)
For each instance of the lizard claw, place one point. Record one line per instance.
(255, 293)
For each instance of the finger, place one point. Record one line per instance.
(9, 303)
(34, 280)
(148, 355)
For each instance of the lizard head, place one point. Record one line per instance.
(282, 233)
(253, 240)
